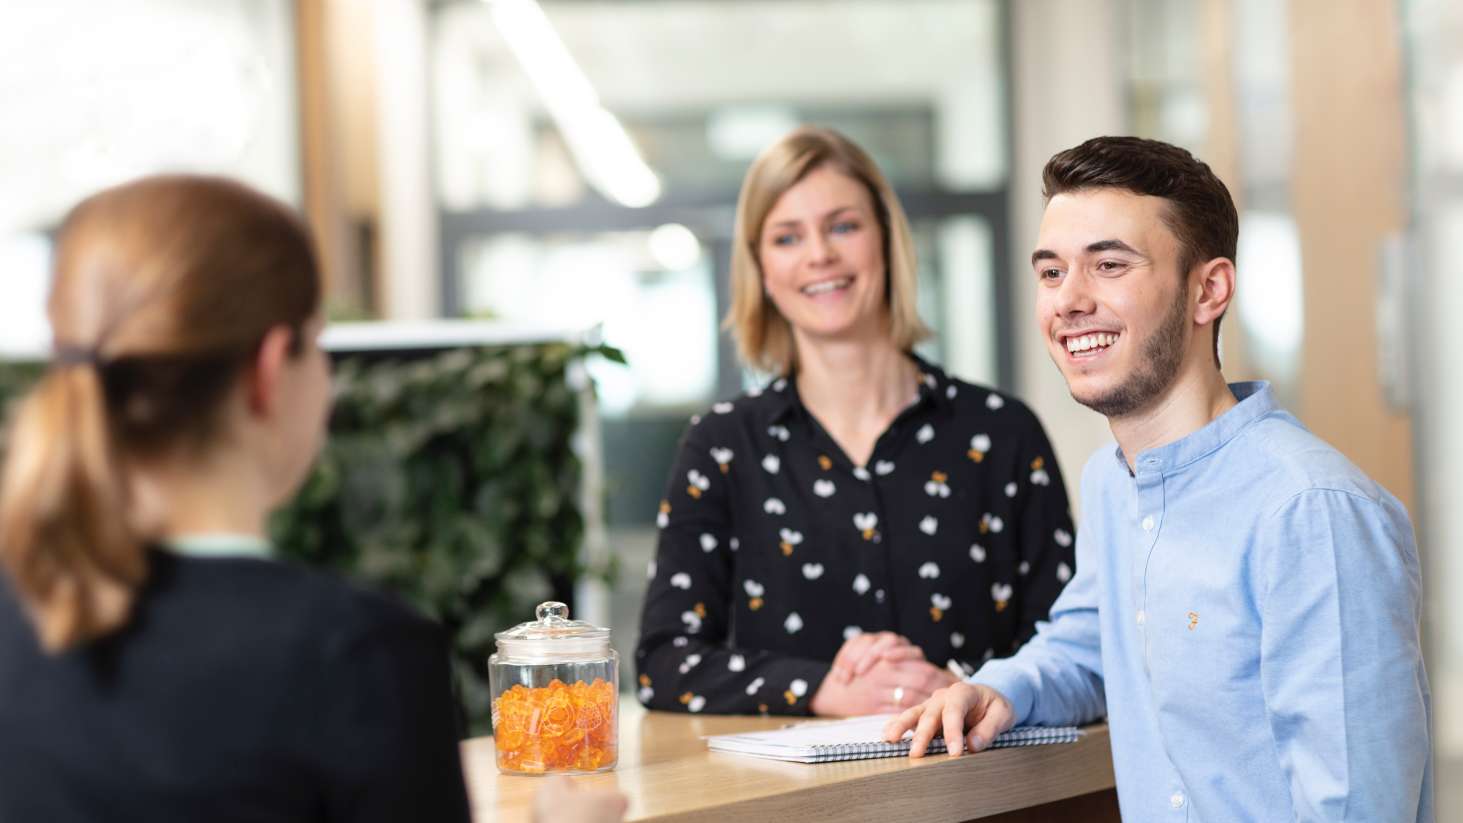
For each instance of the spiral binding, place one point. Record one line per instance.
(1021, 736)
(858, 739)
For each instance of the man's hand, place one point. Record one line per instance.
(964, 706)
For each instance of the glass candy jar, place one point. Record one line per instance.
(555, 685)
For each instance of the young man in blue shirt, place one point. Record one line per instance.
(1246, 604)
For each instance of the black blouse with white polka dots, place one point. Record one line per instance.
(774, 547)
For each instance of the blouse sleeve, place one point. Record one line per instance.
(1046, 540)
(684, 660)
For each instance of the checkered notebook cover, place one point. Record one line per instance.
(858, 738)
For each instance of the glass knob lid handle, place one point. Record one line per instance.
(551, 612)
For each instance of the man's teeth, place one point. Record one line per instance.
(1090, 341)
(827, 286)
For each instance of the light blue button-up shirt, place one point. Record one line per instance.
(1246, 610)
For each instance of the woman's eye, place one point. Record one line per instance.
(845, 227)
(784, 239)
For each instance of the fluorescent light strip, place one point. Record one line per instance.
(600, 145)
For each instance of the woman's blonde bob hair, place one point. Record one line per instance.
(764, 337)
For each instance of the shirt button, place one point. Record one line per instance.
(1177, 801)
(1142, 617)
(1148, 523)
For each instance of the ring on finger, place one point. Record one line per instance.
(898, 696)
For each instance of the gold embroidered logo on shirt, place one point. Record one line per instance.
(1193, 620)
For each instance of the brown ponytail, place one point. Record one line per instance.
(62, 519)
(162, 291)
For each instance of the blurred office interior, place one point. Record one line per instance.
(574, 164)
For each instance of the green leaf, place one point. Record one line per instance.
(611, 354)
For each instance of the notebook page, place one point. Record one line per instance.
(853, 731)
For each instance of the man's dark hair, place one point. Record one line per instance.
(1200, 212)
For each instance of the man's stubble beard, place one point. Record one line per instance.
(1162, 355)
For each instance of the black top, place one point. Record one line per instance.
(242, 690)
(774, 547)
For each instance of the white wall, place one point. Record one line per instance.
(408, 227)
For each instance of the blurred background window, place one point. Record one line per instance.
(98, 93)
(587, 158)
(1428, 268)
(1189, 58)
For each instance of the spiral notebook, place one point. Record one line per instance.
(861, 738)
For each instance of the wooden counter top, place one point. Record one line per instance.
(667, 774)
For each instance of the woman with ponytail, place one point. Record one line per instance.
(155, 663)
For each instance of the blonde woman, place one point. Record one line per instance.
(865, 529)
(156, 662)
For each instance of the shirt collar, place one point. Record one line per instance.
(934, 384)
(782, 393)
(219, 544)
(1256, 399)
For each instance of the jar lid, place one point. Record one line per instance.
(553, 637)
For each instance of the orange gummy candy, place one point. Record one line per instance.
(556, 727)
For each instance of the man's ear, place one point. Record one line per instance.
(1215, 286)
(267, 370)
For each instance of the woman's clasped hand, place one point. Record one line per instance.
(875, 673)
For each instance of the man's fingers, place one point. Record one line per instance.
(997, 718)
(901, 723)
(924, 732)
(954, 720)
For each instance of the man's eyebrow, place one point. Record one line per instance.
(1092, 248)
(1112, 245)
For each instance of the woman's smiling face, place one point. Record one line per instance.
(821, 250)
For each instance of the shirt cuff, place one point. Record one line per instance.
(1012, 683)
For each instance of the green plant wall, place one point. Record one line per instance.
(449, 478)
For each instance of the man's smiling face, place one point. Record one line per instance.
(1111, 302)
